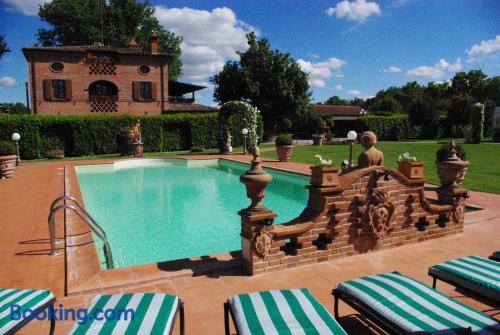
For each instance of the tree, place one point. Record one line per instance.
(335, 100)
(17, 108)
(3, 46)
(78, 22)
(268, 79)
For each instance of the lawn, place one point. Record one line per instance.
(484, 160)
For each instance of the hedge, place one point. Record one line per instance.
(93, 135)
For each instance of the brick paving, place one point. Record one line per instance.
(24, 263)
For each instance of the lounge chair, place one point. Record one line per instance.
(293, 311)
(476, 274)
(495, 256)
(402, 305)
(154, 313)
(37, 301)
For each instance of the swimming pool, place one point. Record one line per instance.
(161, 210)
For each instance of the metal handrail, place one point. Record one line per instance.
(79, 206)
(96, 229)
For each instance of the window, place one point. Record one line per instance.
(103, 89)
(59, 89)
(144, 69)
(57, 67)
(146, 90)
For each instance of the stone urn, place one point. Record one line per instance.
(411, 170)
(324, 176)
(318, 139)
(7, 166)
(255, 181)
(451, 171)
(284, 152)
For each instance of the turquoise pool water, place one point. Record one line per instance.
(172, 209)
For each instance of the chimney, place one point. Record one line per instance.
(154, 43)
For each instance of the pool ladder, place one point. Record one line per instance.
(85, 216)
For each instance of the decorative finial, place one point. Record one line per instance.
(256, 180)
(452, 152)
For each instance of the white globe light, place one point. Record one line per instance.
(352, 135)
(16, 137)
(244, 131)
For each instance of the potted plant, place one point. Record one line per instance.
(55, 154)
(125, 142)
(317, 124)
(329, 136)
(451, 165)
(410, 166)
(7, 159)
(284, 147)
(323, 174)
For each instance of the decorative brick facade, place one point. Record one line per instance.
(371, 209)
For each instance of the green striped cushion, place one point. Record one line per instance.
(416, 307)
(27, 299)
(282, 312)
(478, 270)
(153, 314)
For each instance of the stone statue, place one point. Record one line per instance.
(371, 156)
(137, 132)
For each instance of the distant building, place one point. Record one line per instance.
(339, 112)
(82, 80)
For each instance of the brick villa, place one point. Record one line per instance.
(81, 80)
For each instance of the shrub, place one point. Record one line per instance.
(283, 140)
(392, 128)
(94, 135)
(286, 124)
(474, 131)
(7, 148)
(444, 152)
(496, 135)
(407, 157)
(316, 124)
(329, 122)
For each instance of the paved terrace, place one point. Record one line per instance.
(24, 263)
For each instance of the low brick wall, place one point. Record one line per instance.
(371, 209)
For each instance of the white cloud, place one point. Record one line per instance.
(338, 87)
(7, 81)
(393, 69)
(313, 55)
(437, 71)
(354, 93)
(26, 7)
(358, 10)
(484, 49)
(319, 72)
(210, 38)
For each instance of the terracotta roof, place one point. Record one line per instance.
(353, 111)
(177, 88)
(176, 107)
(89, 48)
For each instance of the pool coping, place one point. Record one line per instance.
(84, 273)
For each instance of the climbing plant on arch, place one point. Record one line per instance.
(247, 115)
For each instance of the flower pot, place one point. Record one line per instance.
(318, 139)
(329, 138)
(451, 173)
(412, 170)
(324, 176)
(7, 166)
(284, 152)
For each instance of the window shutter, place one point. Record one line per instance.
(47, 90)
(154, 91)
(136, 90)
(69, 90)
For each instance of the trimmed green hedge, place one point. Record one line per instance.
(396, 127)
(94, 135)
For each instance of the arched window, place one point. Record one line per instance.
(103, 89)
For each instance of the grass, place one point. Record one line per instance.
(484, 160)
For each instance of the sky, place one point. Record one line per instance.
(349, 48)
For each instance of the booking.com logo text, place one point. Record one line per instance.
(83, 315)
